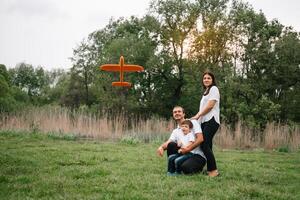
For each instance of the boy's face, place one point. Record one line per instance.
(185, 128)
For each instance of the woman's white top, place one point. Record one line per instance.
(215, 111)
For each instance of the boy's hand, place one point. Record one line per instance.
(179, 144)
(160, 151)
(184, 150)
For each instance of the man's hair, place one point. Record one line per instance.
(187, 122)
(179, 107)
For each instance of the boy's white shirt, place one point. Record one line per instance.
(177, 134)
(180, 138)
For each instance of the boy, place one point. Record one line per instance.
(183, 137)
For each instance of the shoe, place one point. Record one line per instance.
(170, 174)
(173, 174)
(177, 174)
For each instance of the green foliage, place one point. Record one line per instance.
(7, 101)
(34, 166)
(60, 136)
(255, 61)
(284, 149)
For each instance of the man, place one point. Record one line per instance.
(196, 162)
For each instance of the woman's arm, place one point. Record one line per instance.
(210, 104)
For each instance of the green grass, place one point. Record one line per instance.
(36, 166)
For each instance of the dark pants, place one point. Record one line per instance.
(193, 164)
(176, 160)
(209, 130)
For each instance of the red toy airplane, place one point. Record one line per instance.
(121, 67)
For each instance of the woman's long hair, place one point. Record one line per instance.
(206, 90)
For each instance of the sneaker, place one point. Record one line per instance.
(170, 174)
(177, 174)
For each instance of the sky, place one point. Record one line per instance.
(45, 32)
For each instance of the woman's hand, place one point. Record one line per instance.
(196, 117)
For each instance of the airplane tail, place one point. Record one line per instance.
(121, 84)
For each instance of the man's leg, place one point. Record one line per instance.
(193, 165)
(172, 148)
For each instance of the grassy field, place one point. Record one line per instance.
(37, 166)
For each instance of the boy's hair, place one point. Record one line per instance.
(187, 122)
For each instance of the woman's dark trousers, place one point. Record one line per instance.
(209, 130)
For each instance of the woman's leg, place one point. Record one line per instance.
(193, 165)
(209, 129)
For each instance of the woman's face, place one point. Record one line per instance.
(207, 80)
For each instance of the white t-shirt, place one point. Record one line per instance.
(181, 139)
(177, 133)
(215, 111)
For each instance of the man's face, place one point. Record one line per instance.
(178, 113)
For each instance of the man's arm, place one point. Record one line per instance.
(161, 148)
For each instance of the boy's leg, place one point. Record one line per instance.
(172, 148)
(179, 160)
(171, 163)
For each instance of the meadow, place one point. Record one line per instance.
(56, 166)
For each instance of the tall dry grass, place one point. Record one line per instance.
(82, 124)
(63, 121)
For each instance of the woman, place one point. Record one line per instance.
(209, 118)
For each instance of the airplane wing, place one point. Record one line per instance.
(132, 68)
(126, 68)
(110, 67)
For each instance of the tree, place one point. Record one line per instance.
(7, 102)
(28, 79)
(178, 20)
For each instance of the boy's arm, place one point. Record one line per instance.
(198, 141)
(190, 143)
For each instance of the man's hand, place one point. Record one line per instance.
(160, 151)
